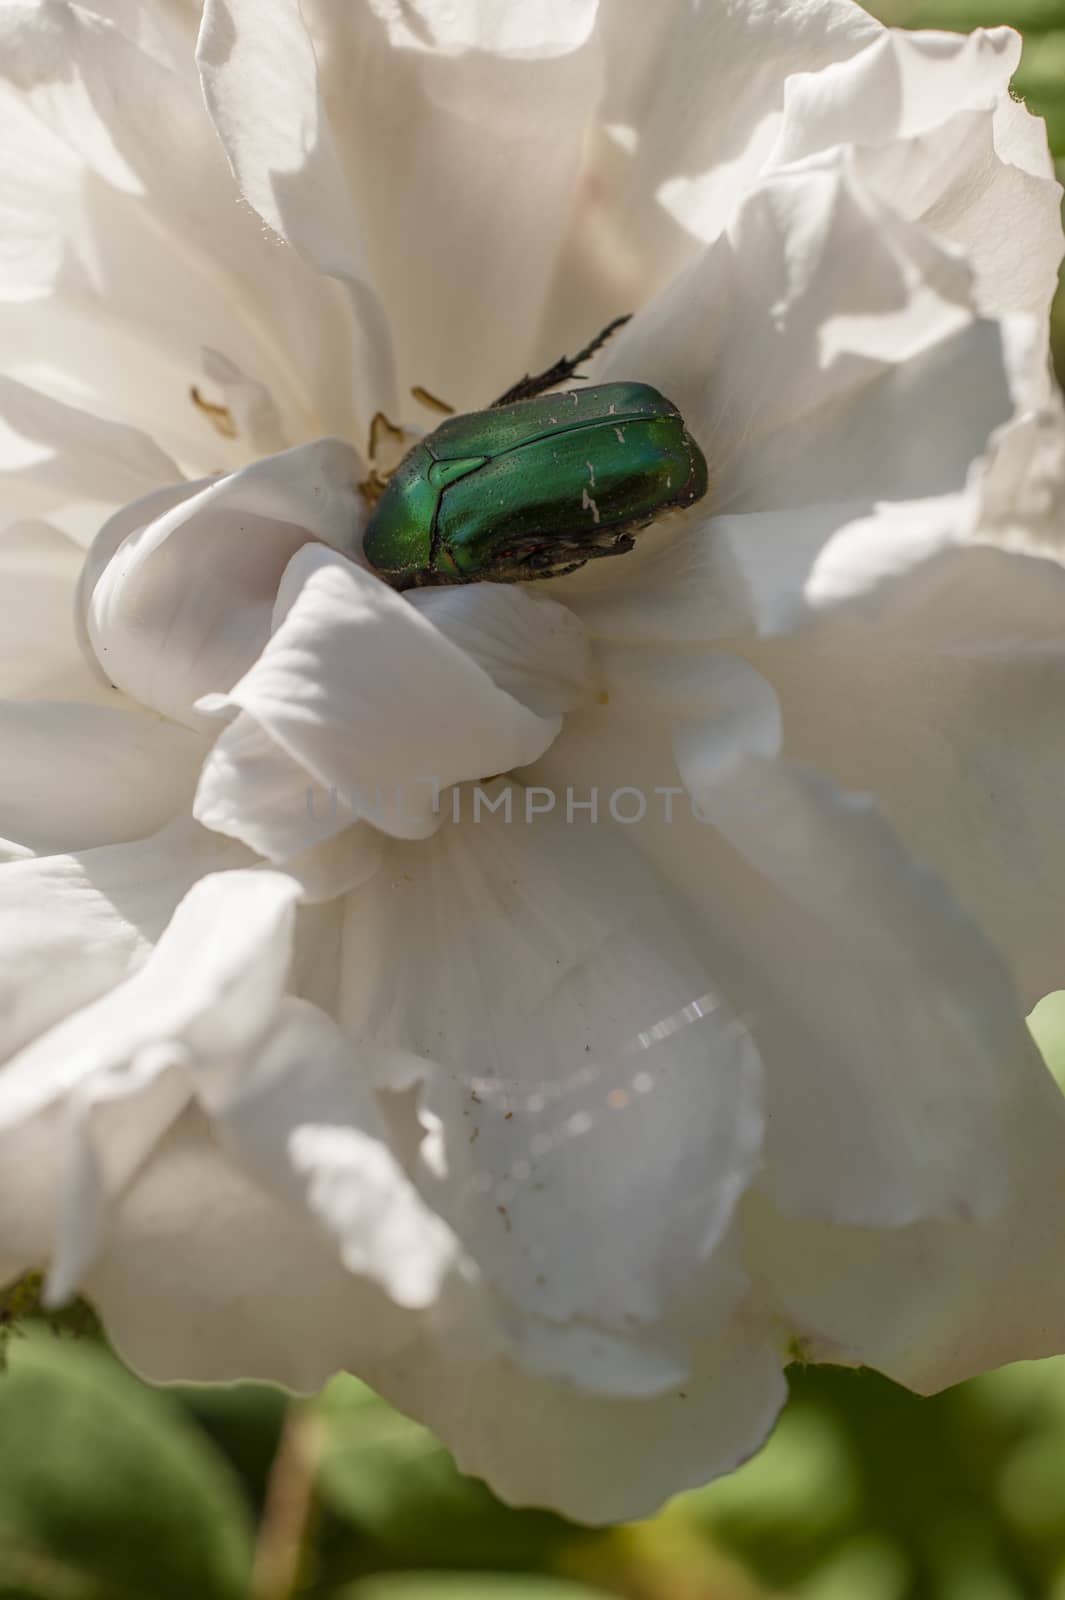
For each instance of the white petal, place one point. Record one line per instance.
(861, 980)
(120, 1064)
(717, 707)
(595, 1105)
(596, 1459)
(666, 163)
(531, 647)
(230, 938)
(870, 333)
(303, 1120)
(261, 88)
(361, 697)
(252, 789)
(840, 357)
(937, 1302)
(206, 1277)
(938, 138)
(468, 128)
(871, 993)
(72, 926)
(54, 457)
(82, 775)
(928, 668)
(964, 752)
(251, 406)
(127, 250)
(39, 654)
(183, 605)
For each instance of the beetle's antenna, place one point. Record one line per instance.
(565, 367)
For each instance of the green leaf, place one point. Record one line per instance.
(106, 1491)
(244, 1421)
(464, 1586)
(396, 1482)
(1040, 81)
(1027, 16)
(1047, 1026)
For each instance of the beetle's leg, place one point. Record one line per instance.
(565, 367)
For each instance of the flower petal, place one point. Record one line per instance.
(840, 357)
(206, 1277)
(126, 252)
(864, 985)
(360, 695)
(593, 1458)
(201, 576)
(930, 643)
(532, 648)
(72, 926)
(595, 1105)
(937, 137)
(261, 89)
(304, 1121)
(59, 795)
(39, 654)
(132, 1045)
(455, 98)
(984, 735)
(665, 162)
(204, 1018)
(869, 992)
(936, 1302)
(862, 411)
(56, 458)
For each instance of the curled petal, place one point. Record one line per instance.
(120, 1063)
(72, 926)
(359, 699)
(200, 576)
(939, 137)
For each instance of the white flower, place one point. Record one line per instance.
(562, 1130)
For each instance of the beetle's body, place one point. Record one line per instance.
(534, 488)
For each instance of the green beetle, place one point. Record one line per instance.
(536, 485)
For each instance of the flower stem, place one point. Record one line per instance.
(289, 1510)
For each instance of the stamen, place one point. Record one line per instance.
(426, 399)
(377, 422)
(220, 417)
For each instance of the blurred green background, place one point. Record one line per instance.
(111, 1490)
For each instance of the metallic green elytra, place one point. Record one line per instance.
(534, 488)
